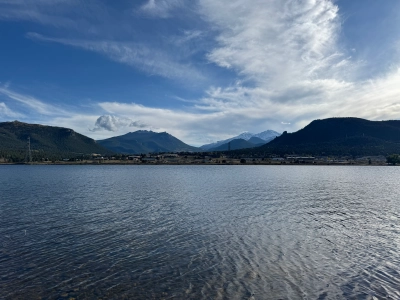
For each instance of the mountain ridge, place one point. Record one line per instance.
(332, 136)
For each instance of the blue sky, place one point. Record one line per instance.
(202, 70)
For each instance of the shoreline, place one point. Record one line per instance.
(122, 163)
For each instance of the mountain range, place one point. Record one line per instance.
(143, 141)
(333, 136)
(253, 139)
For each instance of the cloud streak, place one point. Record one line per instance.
(32, 103)
(141, 56)
(6, 112)
(160, 8)
(276, 42)
(58, 13)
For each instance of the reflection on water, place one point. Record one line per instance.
(199, 232)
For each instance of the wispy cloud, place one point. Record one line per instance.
(276, 41)
(150, 60)
(47, 12)
(32, 103)
(6, 112)
(160, 8)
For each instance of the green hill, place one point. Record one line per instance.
(143, 141)
(46, 142)
(339, 136)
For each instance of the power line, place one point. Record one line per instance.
(28, 156)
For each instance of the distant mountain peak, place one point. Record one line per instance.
(266, 136)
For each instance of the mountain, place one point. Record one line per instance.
(143, 141)
(266, 136)
(339, 136)
(46, 142)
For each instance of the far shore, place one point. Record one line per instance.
(232, 163)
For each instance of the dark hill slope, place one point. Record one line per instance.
(257, 141)
(46, 141)
(234, 145)
(340, 136)
(143, 141)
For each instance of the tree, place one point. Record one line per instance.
(393, 159)
(242, 161)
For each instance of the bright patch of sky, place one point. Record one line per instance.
(202, 70)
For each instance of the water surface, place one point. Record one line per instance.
(199, 232)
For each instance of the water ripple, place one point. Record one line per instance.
(193, 232)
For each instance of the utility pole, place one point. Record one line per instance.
(28, 156)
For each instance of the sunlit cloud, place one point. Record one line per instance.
(114, 123)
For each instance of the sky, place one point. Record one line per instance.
(201, 70)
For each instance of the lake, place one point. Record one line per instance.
(199, 232)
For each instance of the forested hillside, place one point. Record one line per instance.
(47, 142)
(339, 136)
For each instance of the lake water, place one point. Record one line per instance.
(199, 232)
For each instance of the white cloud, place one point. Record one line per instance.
(114, 123)
(275, 42)
(141, 56)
